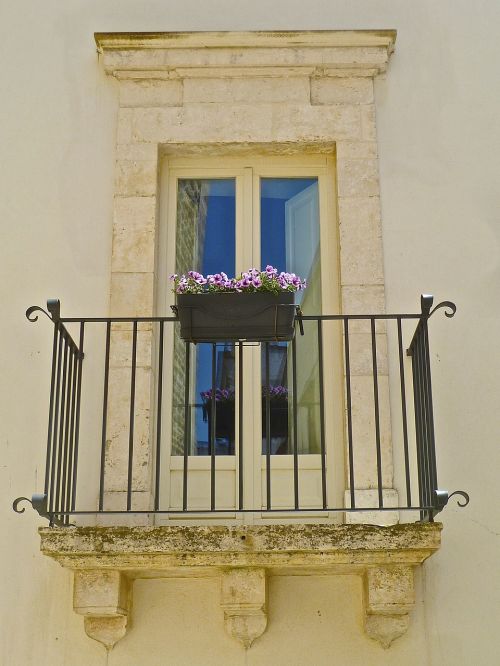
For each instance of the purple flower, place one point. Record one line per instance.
(221, 395)
(251, 280)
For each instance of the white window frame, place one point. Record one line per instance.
(247, 172)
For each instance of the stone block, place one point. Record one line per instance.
(134, 234)
(389, 590)
(100, 592)
(364, 299)
(135, 211)
(256, 90)
(360, 353)
(131, 294)
(121, 349)
(124, 126)
(117, 501)
(368, 122)
(136, 178)
(361, 258)
(133, 248)
(247, 54)
(118, 430)
(356, 150)
(150, 93)
(137, 151)
(364, 432)
(265, 123)
(370, 499)
(342, 90)
(357, 178)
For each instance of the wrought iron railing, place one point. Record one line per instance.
(68, 470)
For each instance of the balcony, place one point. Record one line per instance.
(146, 479)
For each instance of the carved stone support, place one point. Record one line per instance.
(106, 559)
(388, 599)
(243, 599)
(103, 598)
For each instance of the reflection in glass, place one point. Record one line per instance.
(289, 231)
(205, 242)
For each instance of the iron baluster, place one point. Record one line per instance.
(377, 414)
(349, 413)
(159, 407)
(104, 418)
(132, 418)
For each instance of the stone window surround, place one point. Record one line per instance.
(223, 93)
(229, 93)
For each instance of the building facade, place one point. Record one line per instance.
(200, 542)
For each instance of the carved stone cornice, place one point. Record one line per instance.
(235, 54)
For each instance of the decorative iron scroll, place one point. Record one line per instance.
(17, 501)
(426, 302)
(463, 494)
(442, 497)
(445, 304)
(38, 502)
(53, 306)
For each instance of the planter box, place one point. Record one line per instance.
(279, 418)
(225, 421)
(256, 317)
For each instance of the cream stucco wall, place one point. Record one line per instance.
(437, 133)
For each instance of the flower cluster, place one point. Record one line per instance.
(221, 395)
(250, 281)
(275, 392)
(227, 395)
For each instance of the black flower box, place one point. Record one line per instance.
(225, 420)
(253, 317)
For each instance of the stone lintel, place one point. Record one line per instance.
(225, 54)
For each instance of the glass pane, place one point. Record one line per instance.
(289, 231)
(205, 242)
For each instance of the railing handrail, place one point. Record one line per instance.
(323, 317)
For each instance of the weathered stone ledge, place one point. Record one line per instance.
(203, 544)
(107, 559)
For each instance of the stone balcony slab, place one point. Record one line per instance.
(106, 560)
(281, 549)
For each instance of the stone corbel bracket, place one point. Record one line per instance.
(388, 598)
(103, 598)
(106, 560)
(244, 601)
